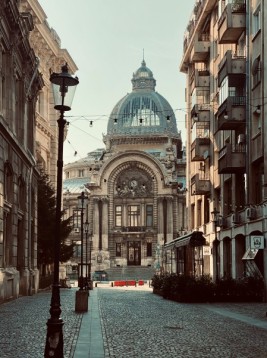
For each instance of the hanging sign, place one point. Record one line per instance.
(257, 242)
(206, 250)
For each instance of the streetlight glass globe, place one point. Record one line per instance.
(64, 87)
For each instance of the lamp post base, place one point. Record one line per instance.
(54, 339)
(81, 301)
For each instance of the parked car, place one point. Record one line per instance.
(100, 276)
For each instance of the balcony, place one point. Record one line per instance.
(232, 113)
(201, 49)
(199, 149)
(133, 229)
(232, 65)
(200, 78)
(200, 184)
(232, 159)
(200, 141)
(232, 23)
(200, 113)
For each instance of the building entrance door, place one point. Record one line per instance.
(134, 253)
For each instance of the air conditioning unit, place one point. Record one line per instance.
(235, 218)
(250, 213)
(221, 221)
(76, 230)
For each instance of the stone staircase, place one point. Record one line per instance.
(130, 273)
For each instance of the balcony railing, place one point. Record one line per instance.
(133, 228)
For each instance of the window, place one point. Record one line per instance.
(256, 21)
(118, 249)
(256, 72)
(229, 88)
(21, 193)
(200, 96)
(118, 215)
(81, 173)
(133, 215)
(149, 215)
(8, 181)
(149, 249)
(180, 260)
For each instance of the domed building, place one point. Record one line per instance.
(135, 185)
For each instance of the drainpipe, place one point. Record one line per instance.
(246, 175)
(30, 231)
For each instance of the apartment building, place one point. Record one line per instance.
(225, 67)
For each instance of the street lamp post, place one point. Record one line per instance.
(82, 204)
(81, 302)
(86, 229)
(90, 262)
(216, 242)
(64, 86)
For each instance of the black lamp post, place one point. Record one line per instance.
(86, 230)
(216, 242)
(64, 86)
(90, 262)
(82, 204)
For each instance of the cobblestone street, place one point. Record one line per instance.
(23, 325)
(136, 324)
(141, 324)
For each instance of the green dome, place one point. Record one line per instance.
(143, 110)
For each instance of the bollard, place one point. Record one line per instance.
(96, 284)
(111, 284)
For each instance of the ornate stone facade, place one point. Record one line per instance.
(19, 86)
(135, 203)
(29, 49)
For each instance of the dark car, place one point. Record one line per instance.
(100, 276)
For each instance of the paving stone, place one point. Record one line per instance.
(138, 324)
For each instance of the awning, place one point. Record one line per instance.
(193, 239)
(250, 254)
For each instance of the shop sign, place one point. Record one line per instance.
(257, 242)
(206, 250)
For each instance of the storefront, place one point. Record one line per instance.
(187, 255)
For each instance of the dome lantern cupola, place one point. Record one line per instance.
(143, 78)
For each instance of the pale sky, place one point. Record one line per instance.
(106, 39)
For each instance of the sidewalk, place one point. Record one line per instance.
(90, 341)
